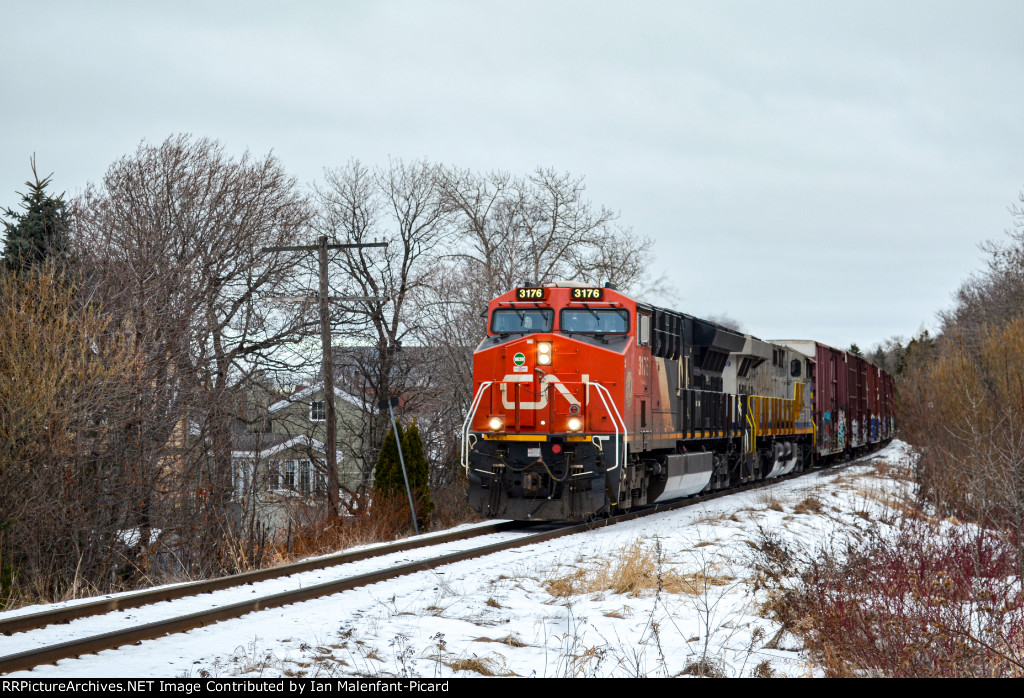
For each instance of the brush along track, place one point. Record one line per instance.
(111, 640)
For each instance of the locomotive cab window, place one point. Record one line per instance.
(643, 330)
(594, 320)
(522, 320)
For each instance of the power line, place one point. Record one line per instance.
(323, 296)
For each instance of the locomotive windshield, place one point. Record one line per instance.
(522, 320)
(595, 320)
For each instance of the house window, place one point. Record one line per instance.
(274, 475)
(320, 479)
(241, 477)
(304, 476)
(317, 411)
(289, 474)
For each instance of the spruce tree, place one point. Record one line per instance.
(39, 232)
(418, 468)
(387, 475)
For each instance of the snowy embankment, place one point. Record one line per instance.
(667, 595)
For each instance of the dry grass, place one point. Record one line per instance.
(697, 583)
(768, 499)
(386, 519)
(706, 667)
(714, 518)
(450, 507)
(509, 640)
(810, 505)
(635, 570)
(893, 505)
(485, 666)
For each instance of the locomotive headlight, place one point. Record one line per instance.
(495, 423)
(544, 353)
(574, 424)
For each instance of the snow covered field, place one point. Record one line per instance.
(666, 595)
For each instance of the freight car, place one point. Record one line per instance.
(587, 403)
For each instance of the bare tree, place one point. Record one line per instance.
(172, 243)
(960, 394)
(401, 203)
(539, 228)
(995, 295)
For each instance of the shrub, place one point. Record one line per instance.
(917, 603)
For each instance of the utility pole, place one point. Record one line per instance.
(327, 367)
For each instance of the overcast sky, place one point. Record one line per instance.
(810, 169)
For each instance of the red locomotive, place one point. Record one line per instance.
(588, 403)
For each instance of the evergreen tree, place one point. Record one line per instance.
(387, 476)
(38, 233)
(418, 468)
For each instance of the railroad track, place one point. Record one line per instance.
(35, 621)
(178, 624)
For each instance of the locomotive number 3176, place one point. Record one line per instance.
(592, 294)
(523, 294)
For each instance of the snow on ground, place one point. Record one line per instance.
(265, 587)
(551, 609)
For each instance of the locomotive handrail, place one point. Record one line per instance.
(752, 422)
(609, 406)
(469, 422)
(601, 391)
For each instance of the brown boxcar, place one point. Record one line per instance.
(852, 399)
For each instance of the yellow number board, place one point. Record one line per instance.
(587, 294)
(529, 294)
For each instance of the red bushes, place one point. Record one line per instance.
(915, 603)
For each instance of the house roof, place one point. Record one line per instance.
(265, 445)
(312, 390)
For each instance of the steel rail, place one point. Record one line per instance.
(34, 621)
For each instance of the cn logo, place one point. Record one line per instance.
(543, 401)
